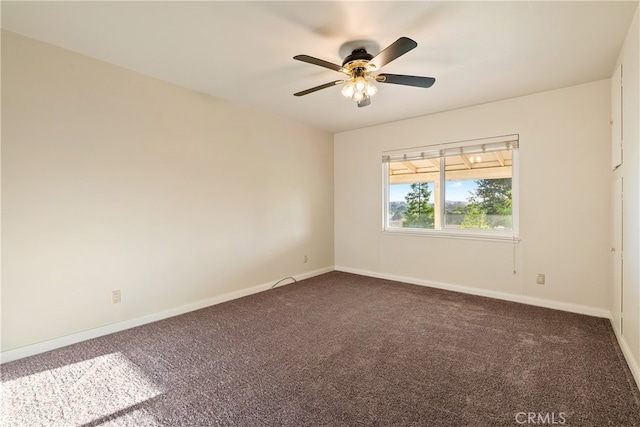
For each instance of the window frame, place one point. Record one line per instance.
(470, 234)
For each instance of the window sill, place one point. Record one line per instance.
(449, 234)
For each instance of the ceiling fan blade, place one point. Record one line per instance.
(399, 79)
(364, 102)
(315, 61)
(317, 88)
(393, 51)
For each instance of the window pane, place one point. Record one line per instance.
(411, 205)
(478, 191)
(457, 194)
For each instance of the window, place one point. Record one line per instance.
(458, 189)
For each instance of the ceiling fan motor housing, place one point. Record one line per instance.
(357, 55)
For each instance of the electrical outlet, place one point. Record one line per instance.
(116, 297)
(540, 279)
(305, 259)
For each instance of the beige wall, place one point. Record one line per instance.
(114, 180)
(564, 201)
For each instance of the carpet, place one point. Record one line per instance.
(335, 350)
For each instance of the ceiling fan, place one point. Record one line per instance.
(360, 65)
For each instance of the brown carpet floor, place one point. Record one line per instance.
(336, 350)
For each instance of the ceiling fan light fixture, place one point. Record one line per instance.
(371, 89)
(349, 89)
(359, 88)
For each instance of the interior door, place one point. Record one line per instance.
(617, 249)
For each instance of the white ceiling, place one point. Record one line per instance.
(242, 51)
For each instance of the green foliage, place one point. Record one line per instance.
(475, 218)
(456, 208)
(397, 210)
(418, 214)
(455, 212)
(493, 198)
(397, 207)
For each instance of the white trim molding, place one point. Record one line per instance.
(628, 355)
(573, 308)
(52, 344)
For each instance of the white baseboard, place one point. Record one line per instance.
(52, 344)
(628, 355)
(573, 308)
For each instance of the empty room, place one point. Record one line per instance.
(234, 213)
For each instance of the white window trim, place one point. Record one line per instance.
(511, 236)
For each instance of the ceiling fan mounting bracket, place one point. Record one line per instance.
(348, 48)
